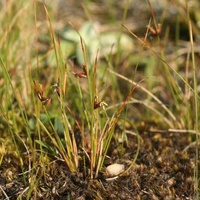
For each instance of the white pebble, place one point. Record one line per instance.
(115, 169)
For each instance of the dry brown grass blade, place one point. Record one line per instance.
(158, 56)
(147, 92)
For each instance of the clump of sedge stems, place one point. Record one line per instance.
(99, 128)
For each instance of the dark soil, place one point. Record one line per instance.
(164, 169)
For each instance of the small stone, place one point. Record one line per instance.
(115, 169)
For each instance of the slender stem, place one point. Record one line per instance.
(196, 102)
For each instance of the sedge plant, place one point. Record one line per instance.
(95, 129)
